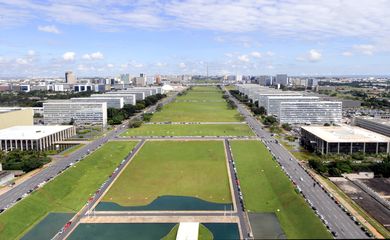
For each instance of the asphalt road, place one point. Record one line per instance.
(9, 198)
(337, 219)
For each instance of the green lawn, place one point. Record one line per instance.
(201, 104)
(190, 130)
(266, 189)
(66, 193)
(181, 168)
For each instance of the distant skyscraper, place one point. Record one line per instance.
(281, 79)
(70, 78)
(125, 78)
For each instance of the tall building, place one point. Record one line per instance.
(81, 113)
(281, 79)
(70, 78)
(125, 78)
(310, 112)
(140, 81)
(112, 102)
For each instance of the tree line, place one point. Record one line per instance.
(23, 160)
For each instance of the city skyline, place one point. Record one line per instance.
(101, 38)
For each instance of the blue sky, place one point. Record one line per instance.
(105, 38)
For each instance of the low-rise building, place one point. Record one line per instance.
(343, 139)
(80, 113)
(35, 137)
(310, 112)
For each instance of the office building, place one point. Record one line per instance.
(343, 140)
(128, 98)
(139, 95)
(13, 116)
(112, 102)
(272, 105)
(317, 112)
(70, 78)
(140, 81)
(378, 125)
(125, 78)
(80, 113)
(35, 137)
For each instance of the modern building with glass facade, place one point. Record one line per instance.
(343, 139)
(272, 105)
(310, 112)
(81, 113)
(35, 137)
(139, 95)
(112, 102)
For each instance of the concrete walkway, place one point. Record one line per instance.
(159, 219)
(188, 231)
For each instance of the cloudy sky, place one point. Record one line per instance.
(108, 37)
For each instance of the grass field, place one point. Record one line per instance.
(190, 130)
(181, 168)
(201, 104)
(66, 193)
(266, 188)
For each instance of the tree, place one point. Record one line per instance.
(159, 107)
(135, 124)
(286, 126)
(269, 120)
(258, 110)
(140, 105)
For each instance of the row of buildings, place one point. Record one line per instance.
(93, 110)
(293, 107)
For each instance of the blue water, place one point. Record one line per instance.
(145, 231)
(121, 231)
(167, 203)
(223, 231)
(48, 227)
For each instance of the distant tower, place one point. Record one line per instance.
(70, 78)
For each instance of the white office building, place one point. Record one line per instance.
(81, 113)
(139, 95)
(317, 112)
(35, 137)
(128, 98)
(112, 102)
(272, 105)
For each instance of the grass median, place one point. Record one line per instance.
(190, 130)
(267, 189)
(179, 168)
(67, 192)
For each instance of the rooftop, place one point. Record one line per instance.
(345, 133)
(30, 132)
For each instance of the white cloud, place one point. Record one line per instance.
(93, 56)
(366, 49)
(314, 55)
(243, 58)
(49, 29)
(21, 61)
(270, 53)
(347, 54)
(160, 64)
(31, 53)
(182, 65)
(110, 65)
(256, 54)
(69, 56)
